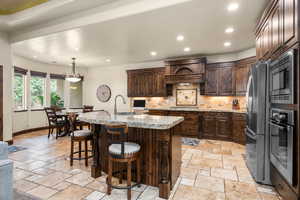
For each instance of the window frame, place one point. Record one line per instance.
(44, 93)
(57, 78)
(24, 97)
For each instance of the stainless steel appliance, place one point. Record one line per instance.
(257, 134)
(281, 140)
(282, 79)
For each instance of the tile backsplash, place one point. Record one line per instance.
(202, 101)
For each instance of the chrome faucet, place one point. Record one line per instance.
(124, 101)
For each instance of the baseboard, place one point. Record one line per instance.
(10, 142)
(29, 130)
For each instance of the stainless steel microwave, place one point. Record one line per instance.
(282, 79)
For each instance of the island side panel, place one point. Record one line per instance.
(96, 165)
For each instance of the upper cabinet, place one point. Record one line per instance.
(277, 29)
(242, 70)
(219, 79)
(185, 70)
(146, 83)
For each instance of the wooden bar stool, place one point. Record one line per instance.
(122, 152)
(79, 136)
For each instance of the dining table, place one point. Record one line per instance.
(64, 115)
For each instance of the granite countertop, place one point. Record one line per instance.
(196, 109)
(134, 121)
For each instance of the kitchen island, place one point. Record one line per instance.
(160, 146)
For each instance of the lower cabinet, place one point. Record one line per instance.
(239, 125)
(224, 126)
(209, 125)
(216, 125)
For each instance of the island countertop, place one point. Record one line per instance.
(133, 121)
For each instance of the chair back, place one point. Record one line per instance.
(117, 129)
(51, 115)
(87, 108)
(72, 120)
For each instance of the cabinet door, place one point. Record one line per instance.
(258, 47)
(225, 81)
(179, 129)
(209, 125)
(224, 126)
(289, 20)
(211, 81)
(146, 83)
(239, 125)
(241, 79)
(159, 84)
(276, 29)
(266, 36)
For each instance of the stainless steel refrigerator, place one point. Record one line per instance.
(257, 134)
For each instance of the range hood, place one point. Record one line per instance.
(185, 70)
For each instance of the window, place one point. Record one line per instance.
(19, 91)
(37, 90)
(57, 92)
(76, 95)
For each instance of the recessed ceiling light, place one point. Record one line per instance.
(107, 60)
(76, 49)
(229, 30)
(34, 56)
(187, 49)
(180, 38)
(153, 53)
(227, 44)
(233, 7)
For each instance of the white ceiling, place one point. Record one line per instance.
(130, 38)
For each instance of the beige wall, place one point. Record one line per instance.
(6, 61)
(116, 78)
(35, 119)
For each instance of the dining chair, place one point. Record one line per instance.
(54, 122)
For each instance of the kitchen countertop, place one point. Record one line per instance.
(196, 109)
(135, 121)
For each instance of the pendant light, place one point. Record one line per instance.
(73, 78)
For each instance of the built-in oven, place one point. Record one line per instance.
(281, 141)
(282, 79)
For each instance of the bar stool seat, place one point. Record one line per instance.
(129, 148)
(82, 133)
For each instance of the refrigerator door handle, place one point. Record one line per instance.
(250, 134)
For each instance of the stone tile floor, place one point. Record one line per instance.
(212, 170)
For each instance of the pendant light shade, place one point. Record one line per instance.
(73, 78)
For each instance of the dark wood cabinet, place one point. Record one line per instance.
(225, 81)
(217, 125)
(211, 82)
(146, 83)
(209, 127)
(188, 128)
(278, 28)
(220, 79)
(239, 125)
(242, 75)
(224, 126)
